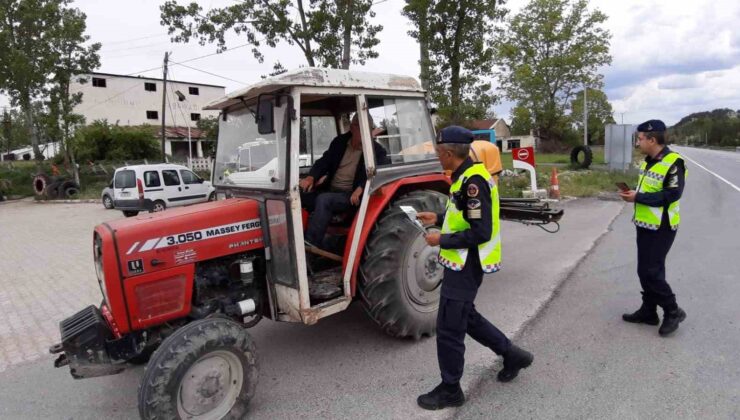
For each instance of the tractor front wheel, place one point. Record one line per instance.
(205, 370)
(400, 277)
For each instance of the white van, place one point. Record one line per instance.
(156, 187)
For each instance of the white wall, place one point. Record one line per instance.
(124, 101)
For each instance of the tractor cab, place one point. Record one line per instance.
(271, 134)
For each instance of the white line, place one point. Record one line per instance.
(720, 178)
(133, 247)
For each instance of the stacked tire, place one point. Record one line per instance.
(55, 187)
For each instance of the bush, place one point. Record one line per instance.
(102, 141)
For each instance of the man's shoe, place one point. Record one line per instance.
(671, 319)
(514, 360)
(644, 315)
(442, 396)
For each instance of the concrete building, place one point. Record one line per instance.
(504, 139)
(134, 100)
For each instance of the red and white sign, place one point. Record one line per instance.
(524, 154)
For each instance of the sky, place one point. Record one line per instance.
(670, 58)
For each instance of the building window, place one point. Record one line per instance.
(194, 116)
(194, 90)
(150, 87)
(152, 115)
(98, 82)
(514, 144)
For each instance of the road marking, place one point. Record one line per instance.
(718, 176)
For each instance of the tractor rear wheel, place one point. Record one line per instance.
(205, 370)
(400, 277)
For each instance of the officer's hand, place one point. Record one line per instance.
(356, 196)
(427, 218)
(433, 238)
(628, 196)
(306, 184)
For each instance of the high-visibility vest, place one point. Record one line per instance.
(651, 181)
(490, 251)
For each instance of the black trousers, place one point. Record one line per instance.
(652, 249)
(455, 319)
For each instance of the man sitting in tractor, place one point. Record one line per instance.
(336, 181)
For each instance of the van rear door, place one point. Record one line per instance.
(124, 185)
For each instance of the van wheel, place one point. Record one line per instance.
(212, 196)
(130, 213)
(107, 202)
(158, 206)
(400, 277)
(205, 370)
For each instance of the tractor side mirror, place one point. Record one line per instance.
(265, 115)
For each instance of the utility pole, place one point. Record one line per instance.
(164, 99)
(585, 115)
(6, 129)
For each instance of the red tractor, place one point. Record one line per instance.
(181, 287)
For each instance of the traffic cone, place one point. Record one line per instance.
(554, 191)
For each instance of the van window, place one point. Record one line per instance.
(125, 179)
(189, 177)
(170, 177)
(151, 179)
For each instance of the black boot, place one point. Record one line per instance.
(442, 396)
(647, 314)
(514, 360)
(671, 319)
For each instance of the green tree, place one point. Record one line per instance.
(34, 34)
(209, 127)
(102, 141)
(325, 31)
(521, 121)
(546, 53)
(600, 113)
(456, 54)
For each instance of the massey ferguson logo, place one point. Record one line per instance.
(136, 266)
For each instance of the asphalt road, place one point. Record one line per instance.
(590, 364)
(342, 367)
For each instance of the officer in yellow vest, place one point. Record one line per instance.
(470, 243)
(657, 216)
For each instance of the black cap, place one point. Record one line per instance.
(455, 134)
(651, 126)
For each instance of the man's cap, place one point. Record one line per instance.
(651, 126)
(455, 134)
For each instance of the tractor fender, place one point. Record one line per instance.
(378, 202)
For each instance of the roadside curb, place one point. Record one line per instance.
(87, 201)
(486, 372)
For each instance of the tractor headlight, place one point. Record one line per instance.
(98, 258)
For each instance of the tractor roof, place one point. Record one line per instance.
(320, 77)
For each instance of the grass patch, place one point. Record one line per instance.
(573, 183)
(554, 158)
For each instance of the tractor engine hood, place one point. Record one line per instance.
(175, 237)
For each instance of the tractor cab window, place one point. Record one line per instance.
(246, 158)
(317, 132)
(407, 132)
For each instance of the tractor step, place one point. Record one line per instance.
(326, 284)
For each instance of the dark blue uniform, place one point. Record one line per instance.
(457, 315)
(653, 245)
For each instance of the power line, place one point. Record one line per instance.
(193, 59)
(133, 39)
(136, 47)
(207, 72)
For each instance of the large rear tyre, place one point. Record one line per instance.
(400, 277)
(575, 157)
(205, 370)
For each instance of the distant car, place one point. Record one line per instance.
(107, 196)
(155, 187)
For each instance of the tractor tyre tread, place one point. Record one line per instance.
(157, 395)
(381, 277)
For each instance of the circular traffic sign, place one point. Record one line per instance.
(523, 154)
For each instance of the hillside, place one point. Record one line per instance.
(720, 127)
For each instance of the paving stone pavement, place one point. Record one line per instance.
(46, 273)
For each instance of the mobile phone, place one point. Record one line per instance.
(622, 186)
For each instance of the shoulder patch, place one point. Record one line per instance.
(473, 204)
(674, 169)
(473, 190)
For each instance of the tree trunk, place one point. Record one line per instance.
(347, 42)
(455, 95)
(308, 52)
(424, 61)
(32, 134)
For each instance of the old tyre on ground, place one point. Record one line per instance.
(52, 189)
(107, 202)
(68, 189)
(205, 370)
(400, 277)
(130, 213)
(575, 157)
(39, 184)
